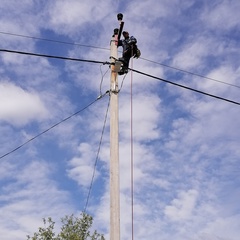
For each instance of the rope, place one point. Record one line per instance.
(132, 189)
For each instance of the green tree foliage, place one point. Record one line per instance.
(73, 228)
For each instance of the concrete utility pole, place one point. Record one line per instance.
(114, 141)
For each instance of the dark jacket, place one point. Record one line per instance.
(127, 45)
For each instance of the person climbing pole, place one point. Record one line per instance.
(130, 49)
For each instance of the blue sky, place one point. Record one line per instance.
(186, 145)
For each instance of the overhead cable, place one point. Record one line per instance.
(145, 59)
(52, 40)
(103, 75)
(97, 157)
(52, 56)
(101, 62)
(53, 126)
(183, 86)
(194, 74)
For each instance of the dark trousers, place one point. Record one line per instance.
(126, 58)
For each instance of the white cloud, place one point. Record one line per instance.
(81, 168)
(222, 15)
(182, 208)
(5, 170)
(29, 196)
(192, 54)
(19, 106)
(186, 146)
(225, 73)
(226, 228)
(146, 116)
(68, 17)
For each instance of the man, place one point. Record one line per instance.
(129, 49)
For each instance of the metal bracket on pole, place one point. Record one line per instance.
(120, 30)
(118, 65)
(120, 18)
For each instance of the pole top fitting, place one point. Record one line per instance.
(120, 17)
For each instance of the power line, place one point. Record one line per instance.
(102, 48)
(183, 86)
(101, 62)
(52, 40)
(97, 157)
(53, 126)
(194, 74)
(52, 56)
(103, 75)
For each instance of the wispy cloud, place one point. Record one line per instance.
(185, 145)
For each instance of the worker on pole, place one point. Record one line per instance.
(130, 49)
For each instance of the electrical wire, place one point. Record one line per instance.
(103, 75)
(51, 56)
(102, 48)
(191, 73)
(122, 83)
(183, 86)
(101, 62)
(97, 157)
(52, 40)
(53, 126)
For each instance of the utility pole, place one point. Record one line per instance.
(114, 139)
